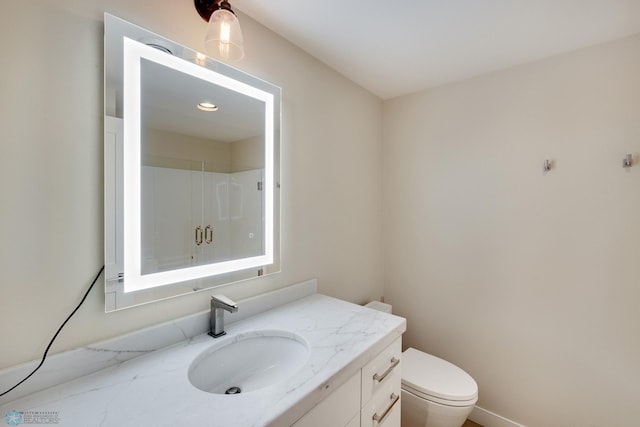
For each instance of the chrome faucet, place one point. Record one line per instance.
(220, 303)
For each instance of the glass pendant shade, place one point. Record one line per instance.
(224, 37)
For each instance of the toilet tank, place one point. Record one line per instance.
(380, 306)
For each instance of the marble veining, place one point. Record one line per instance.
(153, 389)
(69, 365)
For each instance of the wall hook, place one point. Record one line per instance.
(627, 162)
(547, 165)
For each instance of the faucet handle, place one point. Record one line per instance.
(224, 302)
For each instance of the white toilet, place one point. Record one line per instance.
(435, 393)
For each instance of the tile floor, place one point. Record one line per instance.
(470, 424)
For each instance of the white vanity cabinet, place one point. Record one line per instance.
(340, 408)
(370, 398)
(381, 384)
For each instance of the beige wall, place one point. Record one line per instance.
(51, 171)
(247, 154)
(178, 151)
(528, 281)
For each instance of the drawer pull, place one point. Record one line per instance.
(380, 418)
(380, 378)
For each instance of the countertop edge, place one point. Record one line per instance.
(312, 399)
(334, 328)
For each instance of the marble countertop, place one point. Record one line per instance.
(153, 389)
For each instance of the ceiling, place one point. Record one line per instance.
(396, 48)
(169, 99)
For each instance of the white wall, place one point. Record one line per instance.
(527, 281)
(51, 242)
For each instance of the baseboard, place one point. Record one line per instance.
(489, 419)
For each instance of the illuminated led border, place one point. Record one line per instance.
(133, 53)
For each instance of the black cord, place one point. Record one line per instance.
(44, 356)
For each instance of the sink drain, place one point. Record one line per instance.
(233, 390)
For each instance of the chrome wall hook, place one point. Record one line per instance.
(547, 165)
(627, 162)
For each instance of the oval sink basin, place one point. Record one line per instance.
(249, 361)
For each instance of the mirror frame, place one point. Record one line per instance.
(126, 286)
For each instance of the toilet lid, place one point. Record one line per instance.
(431, 376)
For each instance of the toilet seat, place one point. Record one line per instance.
(437, 380)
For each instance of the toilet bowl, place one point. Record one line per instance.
(435, 393)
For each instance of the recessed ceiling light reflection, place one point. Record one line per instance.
(207, 106)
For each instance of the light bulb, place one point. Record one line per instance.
(224, 37)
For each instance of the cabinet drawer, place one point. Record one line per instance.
(355, 421)
(384, 369)
(384, 408)
(337, 409)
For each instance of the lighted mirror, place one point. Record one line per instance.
(191, 170)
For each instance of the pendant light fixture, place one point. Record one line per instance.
(223, 38)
